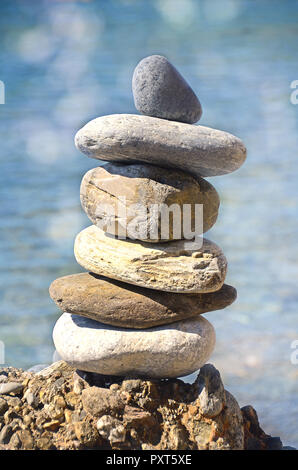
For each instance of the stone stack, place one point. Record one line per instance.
(137, 311)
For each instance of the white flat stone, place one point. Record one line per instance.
(166, 351)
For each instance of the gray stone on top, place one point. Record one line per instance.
(160, 91)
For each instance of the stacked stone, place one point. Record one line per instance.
(138, 310)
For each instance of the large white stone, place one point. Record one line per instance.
(173, 350)
(114, 196)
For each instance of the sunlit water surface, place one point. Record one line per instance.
(64, 63)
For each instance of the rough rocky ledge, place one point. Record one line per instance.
(60, 408)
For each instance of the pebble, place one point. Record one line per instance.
(99, 401)
(111, 429)
(212, 395)
(120, 199)
(160, 91)
(3, 406)
(5, 434)
(168, 267)
(10, 387)
(31, 398)
(165, 351)
(115, 303)
(130, 138)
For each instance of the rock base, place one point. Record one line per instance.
(60, 408)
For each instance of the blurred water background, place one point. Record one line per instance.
(65, 62)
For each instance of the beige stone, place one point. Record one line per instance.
(122, 199)
(178, 266)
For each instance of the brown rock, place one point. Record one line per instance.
(5, 434)
(142, 424)
(15, 441)
(52, 425)
(26, 439)
(136, 416)
(119, 304)
(121, 200)
(86, 433)
(100, 401)
(254, 436)
(3, 406)
(44, 442)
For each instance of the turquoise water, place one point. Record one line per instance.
(64, 63)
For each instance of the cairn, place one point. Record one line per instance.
(137, 311)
